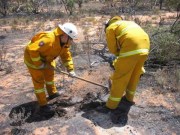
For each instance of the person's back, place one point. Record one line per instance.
(37, 42)
(129, 36)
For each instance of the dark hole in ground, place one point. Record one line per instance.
(90, 102)
(67, 107)
(91, 105)
(26, 113)
(62, 106)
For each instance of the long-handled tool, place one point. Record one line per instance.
(80, 78)
(105, 90)
(85, 80)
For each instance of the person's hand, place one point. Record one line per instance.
(42, 66)
(72, 74)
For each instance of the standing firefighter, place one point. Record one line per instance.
(39, 57)
(130, 44)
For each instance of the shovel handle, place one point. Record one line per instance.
(85, 80)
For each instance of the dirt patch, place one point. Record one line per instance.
(63, 106)
(76, 111)
(155, 109)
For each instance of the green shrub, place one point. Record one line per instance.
(165, 46)
(70, 6)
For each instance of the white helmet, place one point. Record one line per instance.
(70, 29)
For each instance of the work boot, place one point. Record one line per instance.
(54, 96)
(103, 109)
(127, 102)
(125, 105)
(46, 111)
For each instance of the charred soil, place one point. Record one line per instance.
(156, 110)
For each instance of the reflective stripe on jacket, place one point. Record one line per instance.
(129, 37)
(130, 53)
(44, 48)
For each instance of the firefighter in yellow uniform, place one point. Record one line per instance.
(130, 43)
(39, 57)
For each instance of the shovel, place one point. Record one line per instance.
(80, 78)
(105, 90)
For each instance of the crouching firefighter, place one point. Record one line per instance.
(130, 44)
(39, 56)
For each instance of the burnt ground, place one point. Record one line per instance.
(156, 112)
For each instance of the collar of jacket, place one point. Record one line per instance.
(58, 31)
(114, 22)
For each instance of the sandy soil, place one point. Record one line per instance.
(156, 110)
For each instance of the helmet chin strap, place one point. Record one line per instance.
(68, 38)
(62, 44)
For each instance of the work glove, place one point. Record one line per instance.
(42, 66)
(111, 60)
(47, 66)
(72, 74)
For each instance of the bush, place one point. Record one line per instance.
(164, 44)
(4, 64)
(4, 6)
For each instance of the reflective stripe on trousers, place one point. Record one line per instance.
(119, 99)
(36, 59)
(39, 90)
(114, 98)
(50, 83)
(130, 92)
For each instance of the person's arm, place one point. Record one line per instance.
(111, 41)
(67, 59)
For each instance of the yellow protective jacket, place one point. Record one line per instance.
(126, 38)
(44, 48)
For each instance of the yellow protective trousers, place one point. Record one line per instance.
(125, 78)
(40, 78)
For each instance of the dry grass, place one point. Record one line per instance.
(168, 79)
(161, 77)
(177, 78)
(3, 53)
